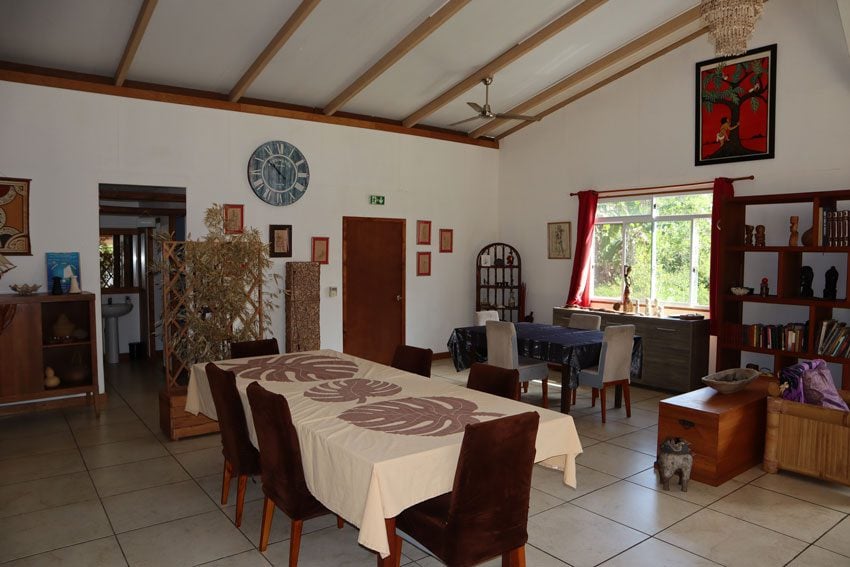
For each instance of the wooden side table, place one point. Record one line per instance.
(726, 431)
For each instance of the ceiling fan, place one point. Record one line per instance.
(486, 112)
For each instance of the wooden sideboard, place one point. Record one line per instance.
(675, 352)
(41, 331)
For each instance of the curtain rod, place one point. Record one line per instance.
(637, 190)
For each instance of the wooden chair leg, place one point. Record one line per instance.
(266, 527)
(241, 486)
(226, 476)
(573, 394)
(514, 557)
(545, 393)
(594, 392)
(295, 542)
(340, 523)
(602, 401)
(627, 397)
(525, 387)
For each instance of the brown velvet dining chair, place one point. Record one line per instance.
(494, 380)
(247, 349)
(486, 513)
(413, 359)
(241, 459)
(284, 485)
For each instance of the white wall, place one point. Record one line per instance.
(639, 131)
(69, 142)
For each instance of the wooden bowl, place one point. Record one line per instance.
(25, 289)
(732, 380)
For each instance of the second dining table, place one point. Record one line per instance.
(376, 440)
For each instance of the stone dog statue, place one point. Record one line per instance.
(675, 456)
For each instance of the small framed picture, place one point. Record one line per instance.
(423, 263)
(486, 261)
(280, 240)
(446, 239)
(423, 232)
(559, 240)
(319, 249)
(234, 219)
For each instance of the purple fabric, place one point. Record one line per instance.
(811, 383)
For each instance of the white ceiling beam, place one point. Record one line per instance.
(844, 11)
(616, 56)
(142, 20)
(503, 60)
(414, 38)
(608, 80)
(278, 41)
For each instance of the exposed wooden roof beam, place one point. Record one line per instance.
(844, 12)
(505, 59)
(414, 38)
(612, 58)
(145, 13)
(278, 41)
(608, 80)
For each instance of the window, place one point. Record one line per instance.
(666, 239)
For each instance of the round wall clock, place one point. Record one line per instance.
(278, 173)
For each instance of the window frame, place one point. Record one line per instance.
(653, 219)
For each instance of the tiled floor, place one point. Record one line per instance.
(80, 491)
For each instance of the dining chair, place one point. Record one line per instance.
(413, 359)
(615, 363)
(481, 317)
(284, 485)
(240, 457)
(585, 321)
(502, 382)
(248, 349)
(486, 513)
(502, 352)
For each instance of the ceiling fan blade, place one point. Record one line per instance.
(463, 121)
(518, 117)
(476, 107)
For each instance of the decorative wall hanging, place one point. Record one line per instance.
(319, 249)
(302, 306)
(278, 173)
(735, 107)
(423, 263)
(423, 232)
(234, 219)
(14, 217)
(62, 265)
(446, 239)
(280, 240)
(558, 240)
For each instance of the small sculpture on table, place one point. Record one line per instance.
(807, 274)
(792, 239)
(627, 288)
(674, 456)
(748, 234)
(829, 292)
(760, 235)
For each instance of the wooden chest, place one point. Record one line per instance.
(726, 431)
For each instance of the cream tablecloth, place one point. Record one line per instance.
(376, 440)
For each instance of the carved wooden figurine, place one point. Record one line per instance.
(627, 288)
(759, 235)
(792, 239)
(748, 234)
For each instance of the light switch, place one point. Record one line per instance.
(332, 292)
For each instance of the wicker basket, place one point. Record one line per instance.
(807, 439)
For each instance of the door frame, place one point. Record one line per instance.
(345, 292)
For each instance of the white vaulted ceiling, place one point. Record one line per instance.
(207, 47)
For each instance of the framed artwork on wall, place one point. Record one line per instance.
(446, 239)
(62, 265)
(423, 263)
(423, 232)
(319, 246)
(280, 240)
(234, 219)
(735, 107)
(558, 239)
(14, 217)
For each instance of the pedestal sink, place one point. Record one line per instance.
(111, 312)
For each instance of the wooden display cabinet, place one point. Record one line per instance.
(34, 339)
(498, 282)
(785, 290)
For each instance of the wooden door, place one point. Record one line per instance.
(373, 304)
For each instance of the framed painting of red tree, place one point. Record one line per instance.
(735, 103)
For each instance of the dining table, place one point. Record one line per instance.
(374, 439)
(570, 348)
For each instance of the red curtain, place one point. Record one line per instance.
(580, 283)
(723, 191)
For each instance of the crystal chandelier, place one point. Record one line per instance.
(730, 23)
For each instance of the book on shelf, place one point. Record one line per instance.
(790, 337)
(835, 227)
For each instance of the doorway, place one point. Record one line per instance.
(373, 283)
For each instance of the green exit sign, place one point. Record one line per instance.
(376, 199)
